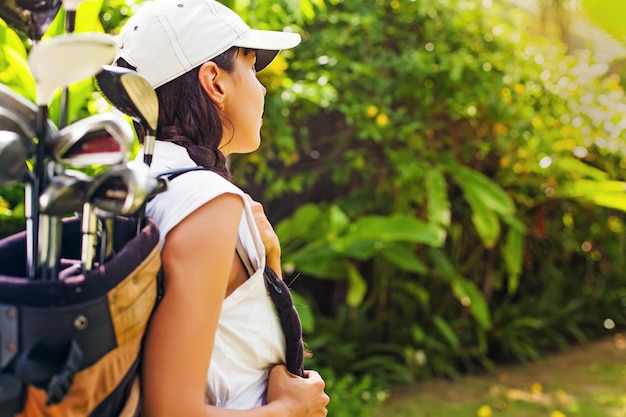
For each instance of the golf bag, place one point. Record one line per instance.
(72, 346)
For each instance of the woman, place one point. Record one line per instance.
(215, 344)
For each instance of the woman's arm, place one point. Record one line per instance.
(197, 259)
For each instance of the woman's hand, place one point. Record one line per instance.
(268, 236)
(299, 397)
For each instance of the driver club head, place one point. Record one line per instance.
(102, 139)
(64, 59)
(132, 94)
(13, 156)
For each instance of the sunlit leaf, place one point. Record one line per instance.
(438, 204)
(357, 287)
(611, 194)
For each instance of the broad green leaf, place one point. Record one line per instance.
(357, 287)
(489, 192)
(394, 228)
(467, 293)
(404, 257)
(609, 194)
(447, 332)
(300, 225)
(307, 318)
(569, 164)
(438, 204)
(484, 219)
(88, 16)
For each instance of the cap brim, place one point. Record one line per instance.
(268, 44)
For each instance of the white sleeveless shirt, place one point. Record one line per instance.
(249, 339)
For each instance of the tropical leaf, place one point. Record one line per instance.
(357, 287)
(611, 194)
(404, 258)
(438, 204)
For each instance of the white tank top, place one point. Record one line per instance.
(249, 339)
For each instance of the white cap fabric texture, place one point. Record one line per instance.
(166, 38)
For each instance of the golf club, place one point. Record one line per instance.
(70, 7)
(13, 155)
(19, 113)
(65, 194)
(102, 139)
(56, 63)
(29, 17)
(133, 95)
(121, 190)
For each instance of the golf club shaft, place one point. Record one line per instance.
(106, 240)
(65, 105)
(50, 244)
(88, 229)
(32, 227)
(148, 151)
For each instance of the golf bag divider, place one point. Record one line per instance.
(71, 347)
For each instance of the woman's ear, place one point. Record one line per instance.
(211, 77)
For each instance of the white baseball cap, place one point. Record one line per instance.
(166, 38)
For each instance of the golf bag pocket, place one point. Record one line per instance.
(72, 346)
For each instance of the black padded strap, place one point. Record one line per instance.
(289, 321)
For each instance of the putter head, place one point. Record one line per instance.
(13, 156)
(64, 59)
(122, 190)
(16, 112)
(65, 194)
(102, 139)
(130, 93)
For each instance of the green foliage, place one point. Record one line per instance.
(353, 396)
(449, 186)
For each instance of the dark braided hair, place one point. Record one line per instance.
(187, 117)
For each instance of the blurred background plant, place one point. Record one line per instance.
(446, 178)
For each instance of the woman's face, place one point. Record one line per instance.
(242, 113)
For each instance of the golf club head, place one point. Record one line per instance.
(13, 156)
(29, 17)
(11, 122)
(16, 112)
(15, 17)
(64, 59)
(102, 139)
(122, 190)
(65, 194)
(130, 93)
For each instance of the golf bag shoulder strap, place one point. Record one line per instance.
(281, 298)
